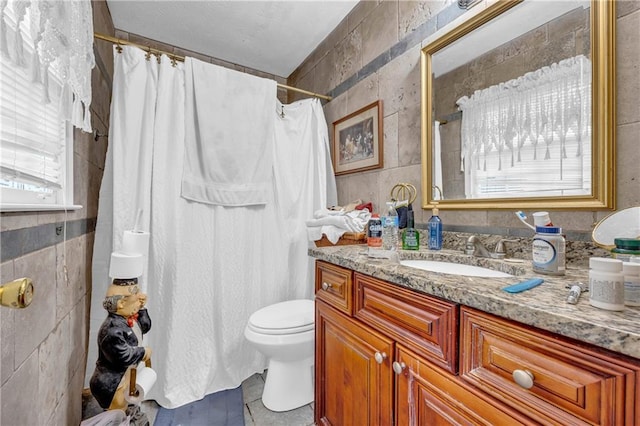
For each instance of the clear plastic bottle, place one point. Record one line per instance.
(390, 228)
(374, 235)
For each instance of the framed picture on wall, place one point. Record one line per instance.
(357, 140)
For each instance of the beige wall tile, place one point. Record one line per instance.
(347, 57)
(7, 328)
(399, 81)
(53, 360)
(35, 322)
(363, 94)
(628, 158)
(77, 342)
(627, 69)
(18, 396)
(379, 30)
(325, 75)
(71, 287)
(409, 136)
(390, 140)
(412, 14)
(360, 12)
(10, 221)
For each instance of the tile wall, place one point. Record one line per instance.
(375, 54)
(44, 345)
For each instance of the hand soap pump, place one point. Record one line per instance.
(434, 226)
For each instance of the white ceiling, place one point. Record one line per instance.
(270, 36)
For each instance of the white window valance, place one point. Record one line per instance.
(526, 121)
(60, 33)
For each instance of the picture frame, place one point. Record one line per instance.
(358, 140)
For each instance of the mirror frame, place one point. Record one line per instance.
(603, 115)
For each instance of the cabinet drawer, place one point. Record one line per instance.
(425, 324)
(334, 285)
(569, 384)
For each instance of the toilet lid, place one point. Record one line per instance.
(293, 316)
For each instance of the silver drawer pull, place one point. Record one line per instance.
(380, 357)
(326, 286)
(399, 367)
(523, 378)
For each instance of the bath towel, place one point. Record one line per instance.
(334, 224)
(229, 130)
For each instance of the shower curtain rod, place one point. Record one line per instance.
(181, 58)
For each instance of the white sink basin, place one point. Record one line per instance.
(454, 268)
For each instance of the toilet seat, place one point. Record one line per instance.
(290, 317)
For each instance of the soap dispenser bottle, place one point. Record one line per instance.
(434, 227)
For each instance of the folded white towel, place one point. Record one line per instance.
(334, 224)
(228, 135)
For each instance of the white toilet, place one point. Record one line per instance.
(284, 332)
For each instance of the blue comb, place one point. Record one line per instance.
(523, 286)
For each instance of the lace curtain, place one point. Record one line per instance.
(53, 39)
(537, 110)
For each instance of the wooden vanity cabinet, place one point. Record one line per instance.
(387, 355)
(356, 350)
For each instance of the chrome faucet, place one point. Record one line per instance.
(475, 247)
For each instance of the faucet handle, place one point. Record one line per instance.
(500, 250)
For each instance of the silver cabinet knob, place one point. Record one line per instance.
(380, 357)
(523, 378)
(326, 286)
(398, 367)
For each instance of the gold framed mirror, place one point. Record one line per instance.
(528, 119)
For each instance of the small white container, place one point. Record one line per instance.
(631, 272)
(606, 284)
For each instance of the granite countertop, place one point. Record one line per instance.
(544, 306)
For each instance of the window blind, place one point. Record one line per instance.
(35, 139)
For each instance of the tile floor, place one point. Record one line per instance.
(255, 413)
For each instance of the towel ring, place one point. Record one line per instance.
(404, 191)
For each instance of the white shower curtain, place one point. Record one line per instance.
(210, 266)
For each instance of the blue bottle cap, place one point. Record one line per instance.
(548, 230)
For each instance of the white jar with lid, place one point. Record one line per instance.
(631, 272)
(548, 250)
(606, 283)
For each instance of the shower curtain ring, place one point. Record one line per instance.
(118, 48)
(148, 55)
(282, 111)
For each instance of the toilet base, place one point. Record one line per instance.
(289, 385)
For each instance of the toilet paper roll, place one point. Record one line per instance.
(145, 379)
(136, 242)
(126, 265)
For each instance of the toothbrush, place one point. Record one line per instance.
(523, 219)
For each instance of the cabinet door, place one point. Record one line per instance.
(354, 380)
(427, 396)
